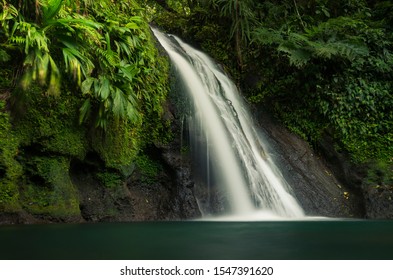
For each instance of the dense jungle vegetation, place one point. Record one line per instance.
(324, 68)
(81, 81)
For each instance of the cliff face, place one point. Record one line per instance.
(314, 183)
(158, 186)
(325, 181)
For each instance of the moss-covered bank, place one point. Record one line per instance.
(47, 140)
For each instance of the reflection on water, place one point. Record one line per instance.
(201, 240)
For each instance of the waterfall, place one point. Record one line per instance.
(235, 154)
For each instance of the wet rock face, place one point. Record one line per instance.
(178, 166)
(379, 202)
(171, 196)
(314, 184)
(167, 196)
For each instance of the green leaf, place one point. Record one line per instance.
(132, 25)
(54, 81)
(118, 103)
(105, 88)
(84, 111)
(86, 85)
(51, 9)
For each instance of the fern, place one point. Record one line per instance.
(300, 48)
(4, 56)
(18, 40)
(104, 52)
(266, 36)
(108, 59)
(351, 49)
(241, 14)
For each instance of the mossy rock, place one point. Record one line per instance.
(49, 190)
(118, 145)
(10, 169)
(52, 123)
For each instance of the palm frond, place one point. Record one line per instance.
(84, 110)
(77, 63)
(55, 77)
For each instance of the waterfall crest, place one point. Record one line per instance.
(237, 159)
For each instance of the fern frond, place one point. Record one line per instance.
(19, 40)
(108, 57)
(298, 40)
(4, 56)
(266, 36)
(297, 56)
(324, 50)
(351, 50)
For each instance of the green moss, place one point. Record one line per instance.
(148, 168)
(10, 169)
(50, 190)
(109, 179)
(379, 174)
(44, 126)
(364, 148)
(52, 123)
(118, 145)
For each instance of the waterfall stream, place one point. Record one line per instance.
(236, 158)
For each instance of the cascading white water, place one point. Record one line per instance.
(241, 161)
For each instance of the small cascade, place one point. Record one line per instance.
(230, 151)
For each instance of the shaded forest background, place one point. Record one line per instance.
(83, 84)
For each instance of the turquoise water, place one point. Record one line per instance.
(200, 240)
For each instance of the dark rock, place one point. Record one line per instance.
(347, 172)
(98, 203)
(16, 218)
(378, 200)
(314, 184)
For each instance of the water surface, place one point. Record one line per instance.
(200, 240)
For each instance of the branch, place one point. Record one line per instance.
(298, 14)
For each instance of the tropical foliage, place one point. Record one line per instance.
(78, 80)
(82, 79)
(97, 45)
(324, 68)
